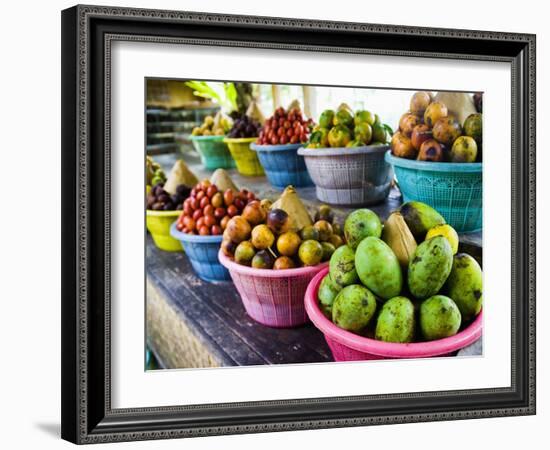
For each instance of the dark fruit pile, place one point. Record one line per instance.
(244, 127)
(428, 132)
(207, 210)
(285, 127)
(160, 200)
(265, 239)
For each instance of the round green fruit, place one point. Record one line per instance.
(439, 318)
(353, 308)
(360, 224)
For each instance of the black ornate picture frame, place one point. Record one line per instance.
(87, 35)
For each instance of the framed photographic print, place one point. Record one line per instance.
(283, 224)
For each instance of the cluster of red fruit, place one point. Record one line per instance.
(285, 127)
(206, 211)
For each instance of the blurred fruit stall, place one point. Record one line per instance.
(252, 206)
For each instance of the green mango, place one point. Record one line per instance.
(420, 218)
(339, 136)
(364, 117)
(355, 143)
(429, 267)
(328, 290)
(439, 318)
(363, 132)
(319, 136)
(395, 321)
(343, 117)
(342, 266)
(379, 133)
(359, 224)
(326, 118)
(378, 268)
(465, 285)
(353, 308)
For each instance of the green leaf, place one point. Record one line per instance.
(231, 95)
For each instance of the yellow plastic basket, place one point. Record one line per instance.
(158, 223)
(246, 160)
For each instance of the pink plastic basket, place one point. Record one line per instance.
(347, 346)
(272, 297)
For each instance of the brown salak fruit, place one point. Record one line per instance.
(431, 150)
(420, 134)
(401, 146)
(398, 236)
(407, 123)
(446, 130)
(434, 112)
(419, 102)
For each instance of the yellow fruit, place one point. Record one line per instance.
(398, 236)
(448, 232)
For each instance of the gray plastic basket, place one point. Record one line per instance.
(349, 176)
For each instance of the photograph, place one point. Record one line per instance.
(297, 224)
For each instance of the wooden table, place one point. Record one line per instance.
(192, 323)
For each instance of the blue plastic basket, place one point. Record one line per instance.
(453, 189)
(202, 251)
(283, 165)
(213, 152)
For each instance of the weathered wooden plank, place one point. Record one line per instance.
(216, 315)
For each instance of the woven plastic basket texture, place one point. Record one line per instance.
(347, 346)
(272, 297)
(453, 189)
(349, 176)
(246, 160)
(283, 166)
(202, 252)
(213, 152)
(158, 223)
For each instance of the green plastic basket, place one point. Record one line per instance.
(453, 189)
(213, 152)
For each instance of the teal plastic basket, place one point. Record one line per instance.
(455, 190)
(213, 152)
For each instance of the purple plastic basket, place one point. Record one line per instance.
(202, 252)
(272, 297)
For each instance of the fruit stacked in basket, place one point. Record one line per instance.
(400, 284)
(445, 128)
(206, 213)
(272, 251)
(164, 200)
(436, 155)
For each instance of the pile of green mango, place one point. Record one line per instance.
(370, 292)
(344, 128)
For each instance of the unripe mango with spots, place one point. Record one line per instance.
(430, 267)
(378, 268)
(353, 308)
(465, 285)
(396, 322)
